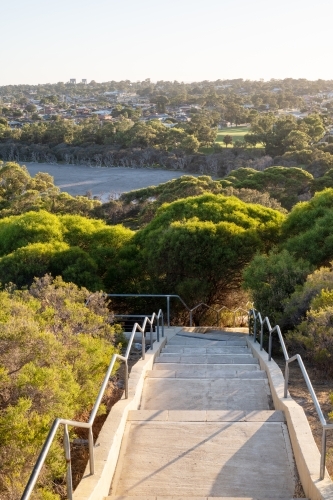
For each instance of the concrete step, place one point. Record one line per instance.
(217, 335)
(205, 372)
(206, 350)
(183, 460)
(207, 359)
(222, 370)
(206, 416)
(189, 341)
(202, 352)
(196, 498)
(205, 394)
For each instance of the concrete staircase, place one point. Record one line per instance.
(205, 428)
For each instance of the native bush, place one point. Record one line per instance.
(19, 192)
(295, 308)
(73, 246)
(313, 337)
(308, 230)
(285, 184)
(271, 279)
(55, 348)
(198, 246)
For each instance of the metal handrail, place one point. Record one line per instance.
(169, 296)
(157, 295)
(234, 311)
(88, 425)
(207, 307)
(325, 426)
(160, 315)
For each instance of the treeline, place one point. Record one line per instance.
(217, 164)
(277, 93)
(285, 141)
(123, 134)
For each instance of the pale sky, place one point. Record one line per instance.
(184, 40)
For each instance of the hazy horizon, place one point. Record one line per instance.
(179, 40)
(78, 80)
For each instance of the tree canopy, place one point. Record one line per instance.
(197, 246)
(285, 184)
(308, 230)
(19, 192)
(78, 248)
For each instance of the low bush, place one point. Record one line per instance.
(54, 353)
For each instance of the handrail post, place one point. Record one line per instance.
(162, 325)
(254, 328)
(323, 454)
(261, 335)
(286, 380)
(126, 379)
(91, 452)
(158, 329)
(67, 447)
(191, 313)
(151, 336)
(270, 347)
(143, 342)
(168, 310)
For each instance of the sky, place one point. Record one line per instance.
(184, 40)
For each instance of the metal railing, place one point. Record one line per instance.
(152, 295)
(89, 425)
(158, 317)
(190, 310)
(325, 426)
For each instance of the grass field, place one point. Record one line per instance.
(237, 133)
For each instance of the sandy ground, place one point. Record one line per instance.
(102, 182)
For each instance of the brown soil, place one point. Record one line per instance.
(323, 387)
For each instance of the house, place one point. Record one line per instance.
(160, 117)
(181, 117)
(15, 124)
(101, 112)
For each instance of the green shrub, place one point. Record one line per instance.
(55, 351)
(271, 279)
(197, 246)
(297, 305)
(313, 338)
(79, 249)
(308, 230)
